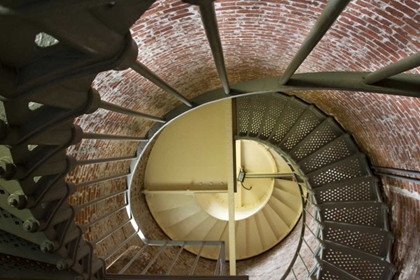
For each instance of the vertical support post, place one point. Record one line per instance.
(175, 259)
(197, 259)
(208, 17)
(231, 131)
(154, 258)
(324, 22)
(393, 69)
(119, 109)
(135, 257)
(148, 74)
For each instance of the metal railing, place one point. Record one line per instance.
(309, 242)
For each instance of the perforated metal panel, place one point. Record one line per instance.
(370, 240)
(351, 167)
(359, 213)
(309, 120)
(358, 264)
(276, 105)
(337, 150)
(359, 189)
(16, 267)
(290, 115)
(259, 106)
(243, 107)
(327, 131)
(329, 272)
(12, 245)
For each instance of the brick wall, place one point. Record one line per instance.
(259, 40)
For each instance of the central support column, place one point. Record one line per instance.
(231, 131)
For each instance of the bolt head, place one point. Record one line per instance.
(62, 264)
(17, 200)
(31, 225)
(47, 246)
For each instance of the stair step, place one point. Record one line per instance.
(216, 233)
(338, 149)
(243, 108)
(290, 115)
(258, 110)
(202, 229)
(268, 238)
(323, 134)
(328, 271)
(373, 241)
(373, 214)
(277, 224)
(358, 189)
(306, 123)
(351, 167)
(357, 263)
(292, 201)
(253, 238)
(184, 227)
(170, 217)
(272, 115)
(287, 186)
(283, 211)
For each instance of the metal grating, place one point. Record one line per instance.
(352, 167)
(16, 242)
(274, 111)
(322, 135)
(339, 149)
(363, 189)
(289, 117)
(244, 114)
(372, 241)
(306, 124)
(360, 213)
(358, 264)
(259, 106)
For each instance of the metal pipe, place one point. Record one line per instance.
(154, 259)
(328, 16)
(103, 237)
(417, 181)
(393, 69)
(100, 180)
(116, 108)
(121, 245)
(313, 254)
(148, 74)
(304, 264)
(100, 199)
(269, 175)
(104, 216)
(208, 16)
(175, 259)
(196, 260)
(132, 260)
(293, 271)
(389, 169)
(88, 135)
(102, 160)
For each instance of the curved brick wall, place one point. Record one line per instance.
(259, 39)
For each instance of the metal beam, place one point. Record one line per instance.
(148, 74)
(103, 160)
(208, 16)
(115, 108)
(403, 178)
(393, 69)
(186, 192)
(88, 135)
(100, 180)
(331, 12)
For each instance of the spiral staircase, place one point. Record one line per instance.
(51, 51)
